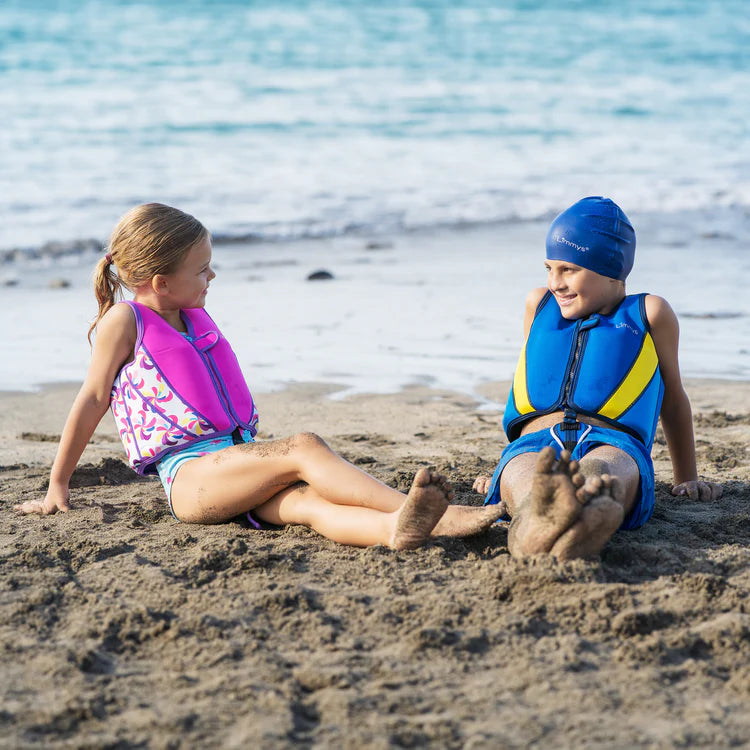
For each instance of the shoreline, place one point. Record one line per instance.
(441, 308)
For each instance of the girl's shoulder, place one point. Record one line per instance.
(120, 312)
(119, 321)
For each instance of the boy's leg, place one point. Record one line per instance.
(563, 509)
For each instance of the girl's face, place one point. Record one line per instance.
(188, 285)
(580, 292)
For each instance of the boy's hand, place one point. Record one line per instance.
(697, 489)
(482, 484)
(55, 499)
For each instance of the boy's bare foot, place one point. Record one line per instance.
(467, 520)
(566, 515)
(552, 508)
(426, 502)
(600, 518)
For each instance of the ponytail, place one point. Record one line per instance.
(107, 288)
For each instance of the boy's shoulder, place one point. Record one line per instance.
(535, 296)
(657, 309)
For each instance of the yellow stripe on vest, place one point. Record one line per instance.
(635, 382)
(520, 392)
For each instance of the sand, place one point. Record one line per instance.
(120, 627)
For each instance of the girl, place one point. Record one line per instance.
(184, 411)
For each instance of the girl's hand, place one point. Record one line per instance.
(482, 484)
(697, 489)
(55, 499)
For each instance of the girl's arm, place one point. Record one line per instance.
(676, 414)
(115, 339)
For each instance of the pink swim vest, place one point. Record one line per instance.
(178, 388)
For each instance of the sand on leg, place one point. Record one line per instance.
(219, 486)
(343, 502)
(468, 520)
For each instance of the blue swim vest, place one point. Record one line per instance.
(603, 366)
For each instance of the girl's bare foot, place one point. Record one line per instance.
(425, 504)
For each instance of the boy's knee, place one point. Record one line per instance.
(594, 467)
(607, 459)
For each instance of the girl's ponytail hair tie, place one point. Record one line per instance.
(108, 256)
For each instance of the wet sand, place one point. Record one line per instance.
(120, 627)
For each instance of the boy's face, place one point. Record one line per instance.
(580, 292)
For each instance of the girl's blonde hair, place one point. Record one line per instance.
(148, 240)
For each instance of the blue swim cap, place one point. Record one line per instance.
(595, 234)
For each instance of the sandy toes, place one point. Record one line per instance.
(467, 520)
(566, 514)
(425, 504)
(600, 518)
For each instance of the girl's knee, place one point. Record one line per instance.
(308, 441)
(301, 444)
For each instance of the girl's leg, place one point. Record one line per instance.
(222, 485)
(219, 486)
(405, 528)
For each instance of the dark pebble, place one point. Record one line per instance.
(320, 276)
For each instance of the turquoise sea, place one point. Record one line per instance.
(295, 119)
(288, 121)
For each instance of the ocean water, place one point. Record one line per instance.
(301, 131)
(293, 119)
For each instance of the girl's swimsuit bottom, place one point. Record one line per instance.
(169, 466)
(589, 437)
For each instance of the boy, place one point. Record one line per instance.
(597, 369)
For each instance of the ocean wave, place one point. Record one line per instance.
(718, 222)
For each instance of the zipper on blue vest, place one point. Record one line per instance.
(582, 334)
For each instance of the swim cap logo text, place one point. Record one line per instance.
(579, 248)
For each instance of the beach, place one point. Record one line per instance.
(121, 627)
(378, 181)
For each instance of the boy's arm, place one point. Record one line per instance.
(533, 298)
(676, 414)
(114, 344)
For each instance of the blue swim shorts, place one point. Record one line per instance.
(589, 437)
(168, 467)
